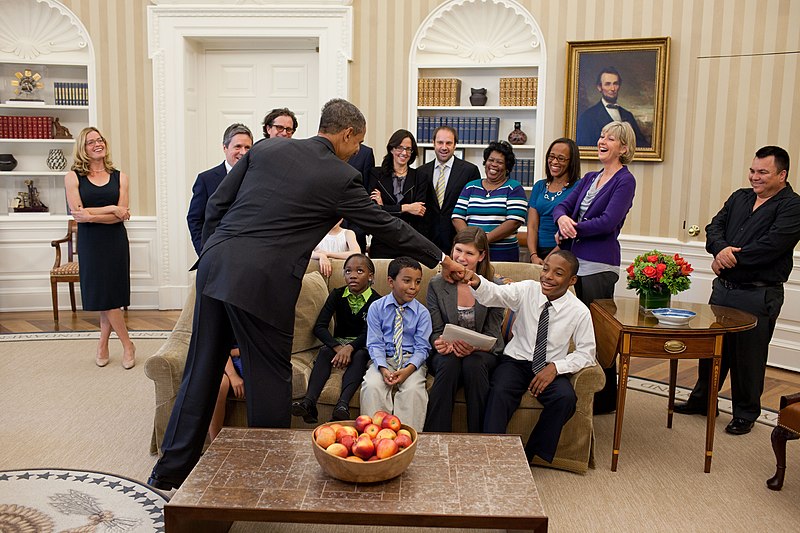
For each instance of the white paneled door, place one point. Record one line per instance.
(243, 85)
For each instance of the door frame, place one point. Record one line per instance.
(174, 31)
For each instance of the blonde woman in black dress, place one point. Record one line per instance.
(97, 194)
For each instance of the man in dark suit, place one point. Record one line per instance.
(236, 141)
(449, 174)
(363, 161)
(591, 121)
(261, 226)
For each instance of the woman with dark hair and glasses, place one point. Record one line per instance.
(563, 170)
(398, 188)
(496, 204)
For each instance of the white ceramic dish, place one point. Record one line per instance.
(673, 317)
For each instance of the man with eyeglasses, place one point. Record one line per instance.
(236, 141)
(446, 176)
(280, 122)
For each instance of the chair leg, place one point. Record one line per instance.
(72, 297)
(54, 291)
(779, 438)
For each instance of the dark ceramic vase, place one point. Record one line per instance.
(7, 162)
(478, 97)
(517, 136)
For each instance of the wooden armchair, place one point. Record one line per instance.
(788, 428)
(67, 272)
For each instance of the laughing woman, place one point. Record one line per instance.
(589, 222)
(97, 194)
(496, 204)
(397, 188)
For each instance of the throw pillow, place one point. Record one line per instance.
(312, 297)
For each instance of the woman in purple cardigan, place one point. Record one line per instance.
(589, 221)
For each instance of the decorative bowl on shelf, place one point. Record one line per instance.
(673, 317)
(355, 470)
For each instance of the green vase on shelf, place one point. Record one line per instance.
(649, 300)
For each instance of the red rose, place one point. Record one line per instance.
(686, 269)
(652, 258)
(649, 271)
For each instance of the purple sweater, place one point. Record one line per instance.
(600, 227)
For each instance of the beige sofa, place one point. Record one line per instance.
(576, 447)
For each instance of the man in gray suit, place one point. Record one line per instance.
(446, 176)
(262, 224)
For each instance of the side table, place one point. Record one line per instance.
(621, 328)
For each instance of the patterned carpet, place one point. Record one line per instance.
(45, 500)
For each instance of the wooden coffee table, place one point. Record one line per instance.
(270, 475)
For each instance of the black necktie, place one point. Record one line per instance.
(540, 350)
(612, 106)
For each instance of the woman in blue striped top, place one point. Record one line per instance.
(496, 204)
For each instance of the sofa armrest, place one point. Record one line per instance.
(586, 382)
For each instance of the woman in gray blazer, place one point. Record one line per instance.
(458, 363)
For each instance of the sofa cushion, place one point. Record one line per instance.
(312, 297)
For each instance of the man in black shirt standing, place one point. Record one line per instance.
(752, 240)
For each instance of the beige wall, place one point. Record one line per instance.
(732, 83)
(118, 29)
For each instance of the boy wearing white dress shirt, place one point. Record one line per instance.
(536, 360)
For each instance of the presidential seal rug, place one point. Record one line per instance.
(75, 501)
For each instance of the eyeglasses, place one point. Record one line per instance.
(560, 158)
(405, 149)
(92, 142)
(281, 129)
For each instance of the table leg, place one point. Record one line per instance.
(711, 417)
(624, 364)
(673, 380)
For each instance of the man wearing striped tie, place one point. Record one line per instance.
(536, 361)
(446, 176)
(398, 329)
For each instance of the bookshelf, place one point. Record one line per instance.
(455, 43)
(48, 40)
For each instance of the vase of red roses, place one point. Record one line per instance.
(656, 276)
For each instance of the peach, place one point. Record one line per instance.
(335, 426)
(403, 441)
(364, 448)
(386, 433)
(362, 422)
(354, 458)
(404, 432)
(326, 436)
(344, 431)
(372, 430)
(386, 448)
(373, 458)
(391, 422)
(338, 449)
(377, 418)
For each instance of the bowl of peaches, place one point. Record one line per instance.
(368, 449)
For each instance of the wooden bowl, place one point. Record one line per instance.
(367, 471)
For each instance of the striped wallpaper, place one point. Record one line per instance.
(732, 83)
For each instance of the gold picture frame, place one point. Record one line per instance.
(640, 67)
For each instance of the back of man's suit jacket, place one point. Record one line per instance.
(270, 212)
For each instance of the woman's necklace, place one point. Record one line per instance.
(552, 195)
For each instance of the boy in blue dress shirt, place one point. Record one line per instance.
(398, 329)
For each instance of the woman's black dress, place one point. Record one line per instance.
(103, 252)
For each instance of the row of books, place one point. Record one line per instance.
(471, 130)
(523, 172)
(71, 93)
(16, 127)
(438, 91)
(519, 91)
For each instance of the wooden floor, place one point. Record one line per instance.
(777, 382)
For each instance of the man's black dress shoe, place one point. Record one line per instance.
(306, 409)
(162, 483)
(739, 426)
(688, 408)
